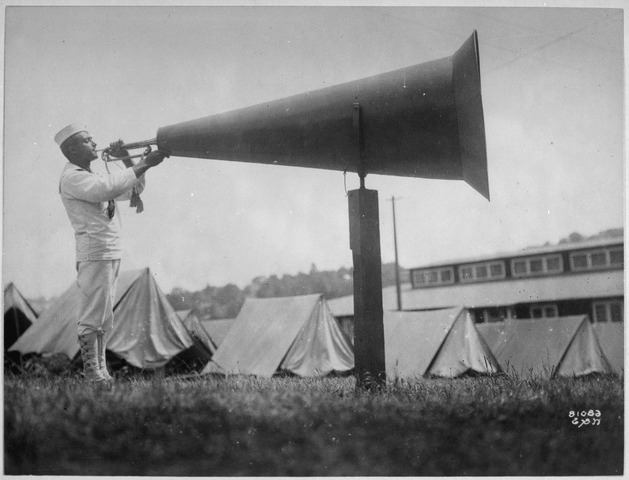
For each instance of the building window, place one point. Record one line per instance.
(496, 270)
(494, 314)
(482, 271)
(433, 276)
(599, 259)
(545, 265)
(519, 267)
(548, 310)
(596, 259)
(616, 257)
(608, 311)
(536, 265)
(579, 261)
(466, 273)
(447, 275)
(554, 264)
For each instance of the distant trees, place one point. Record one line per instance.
(225, 302)
(211, 302)
(330, 284)
(609, 233)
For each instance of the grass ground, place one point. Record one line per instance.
(312, 427)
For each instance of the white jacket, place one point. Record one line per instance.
(85, 196)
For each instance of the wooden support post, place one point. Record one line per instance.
(364, 232)
(364, 239)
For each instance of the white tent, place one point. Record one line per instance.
(562, 346)
(147, 331)
(611, 338)
(18, 315)
(195, 329)
(293, 334)
(217, 329)
(442, 343)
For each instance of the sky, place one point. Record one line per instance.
(553, 101)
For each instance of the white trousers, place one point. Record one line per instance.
(97, 282)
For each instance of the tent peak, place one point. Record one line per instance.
(140, 272)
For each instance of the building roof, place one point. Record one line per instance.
(530, 251)
(496, 293)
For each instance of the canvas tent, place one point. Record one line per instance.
(18, 315)
(562, 346)
(293, 334)
(217, 329)
(147, 331)
(197, 332)
(611, 338)
(442, 343)
(196, 357)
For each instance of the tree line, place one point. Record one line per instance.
(226, 301)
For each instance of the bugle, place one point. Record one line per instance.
(108, 154)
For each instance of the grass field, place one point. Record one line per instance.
(57, 425)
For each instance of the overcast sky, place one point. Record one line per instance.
(552, 87)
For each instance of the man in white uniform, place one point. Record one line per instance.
(90, 202)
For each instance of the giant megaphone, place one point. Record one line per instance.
(421, 121)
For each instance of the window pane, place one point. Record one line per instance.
(616, 312)
(550, 312)
(536, 312)
(599, 259)
(481, 271)
(519, 267)
(446, 276)
(580, 261)
(495, 314)
(553, 264)
(466, 273)
(496, 270)
(536, 266)
(616, 257)
(419, 278)
(432, 276)
(600, 313)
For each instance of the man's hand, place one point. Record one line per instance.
(155, 158)
(150, 160)
(116, 151)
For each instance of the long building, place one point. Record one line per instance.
(575, 278)
(551, 281)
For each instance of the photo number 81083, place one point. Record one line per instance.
(582, 418)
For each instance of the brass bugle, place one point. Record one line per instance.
(146, 144)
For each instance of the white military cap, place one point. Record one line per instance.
(67, 132)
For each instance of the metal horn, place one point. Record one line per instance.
(107, 152)
(421, 121)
